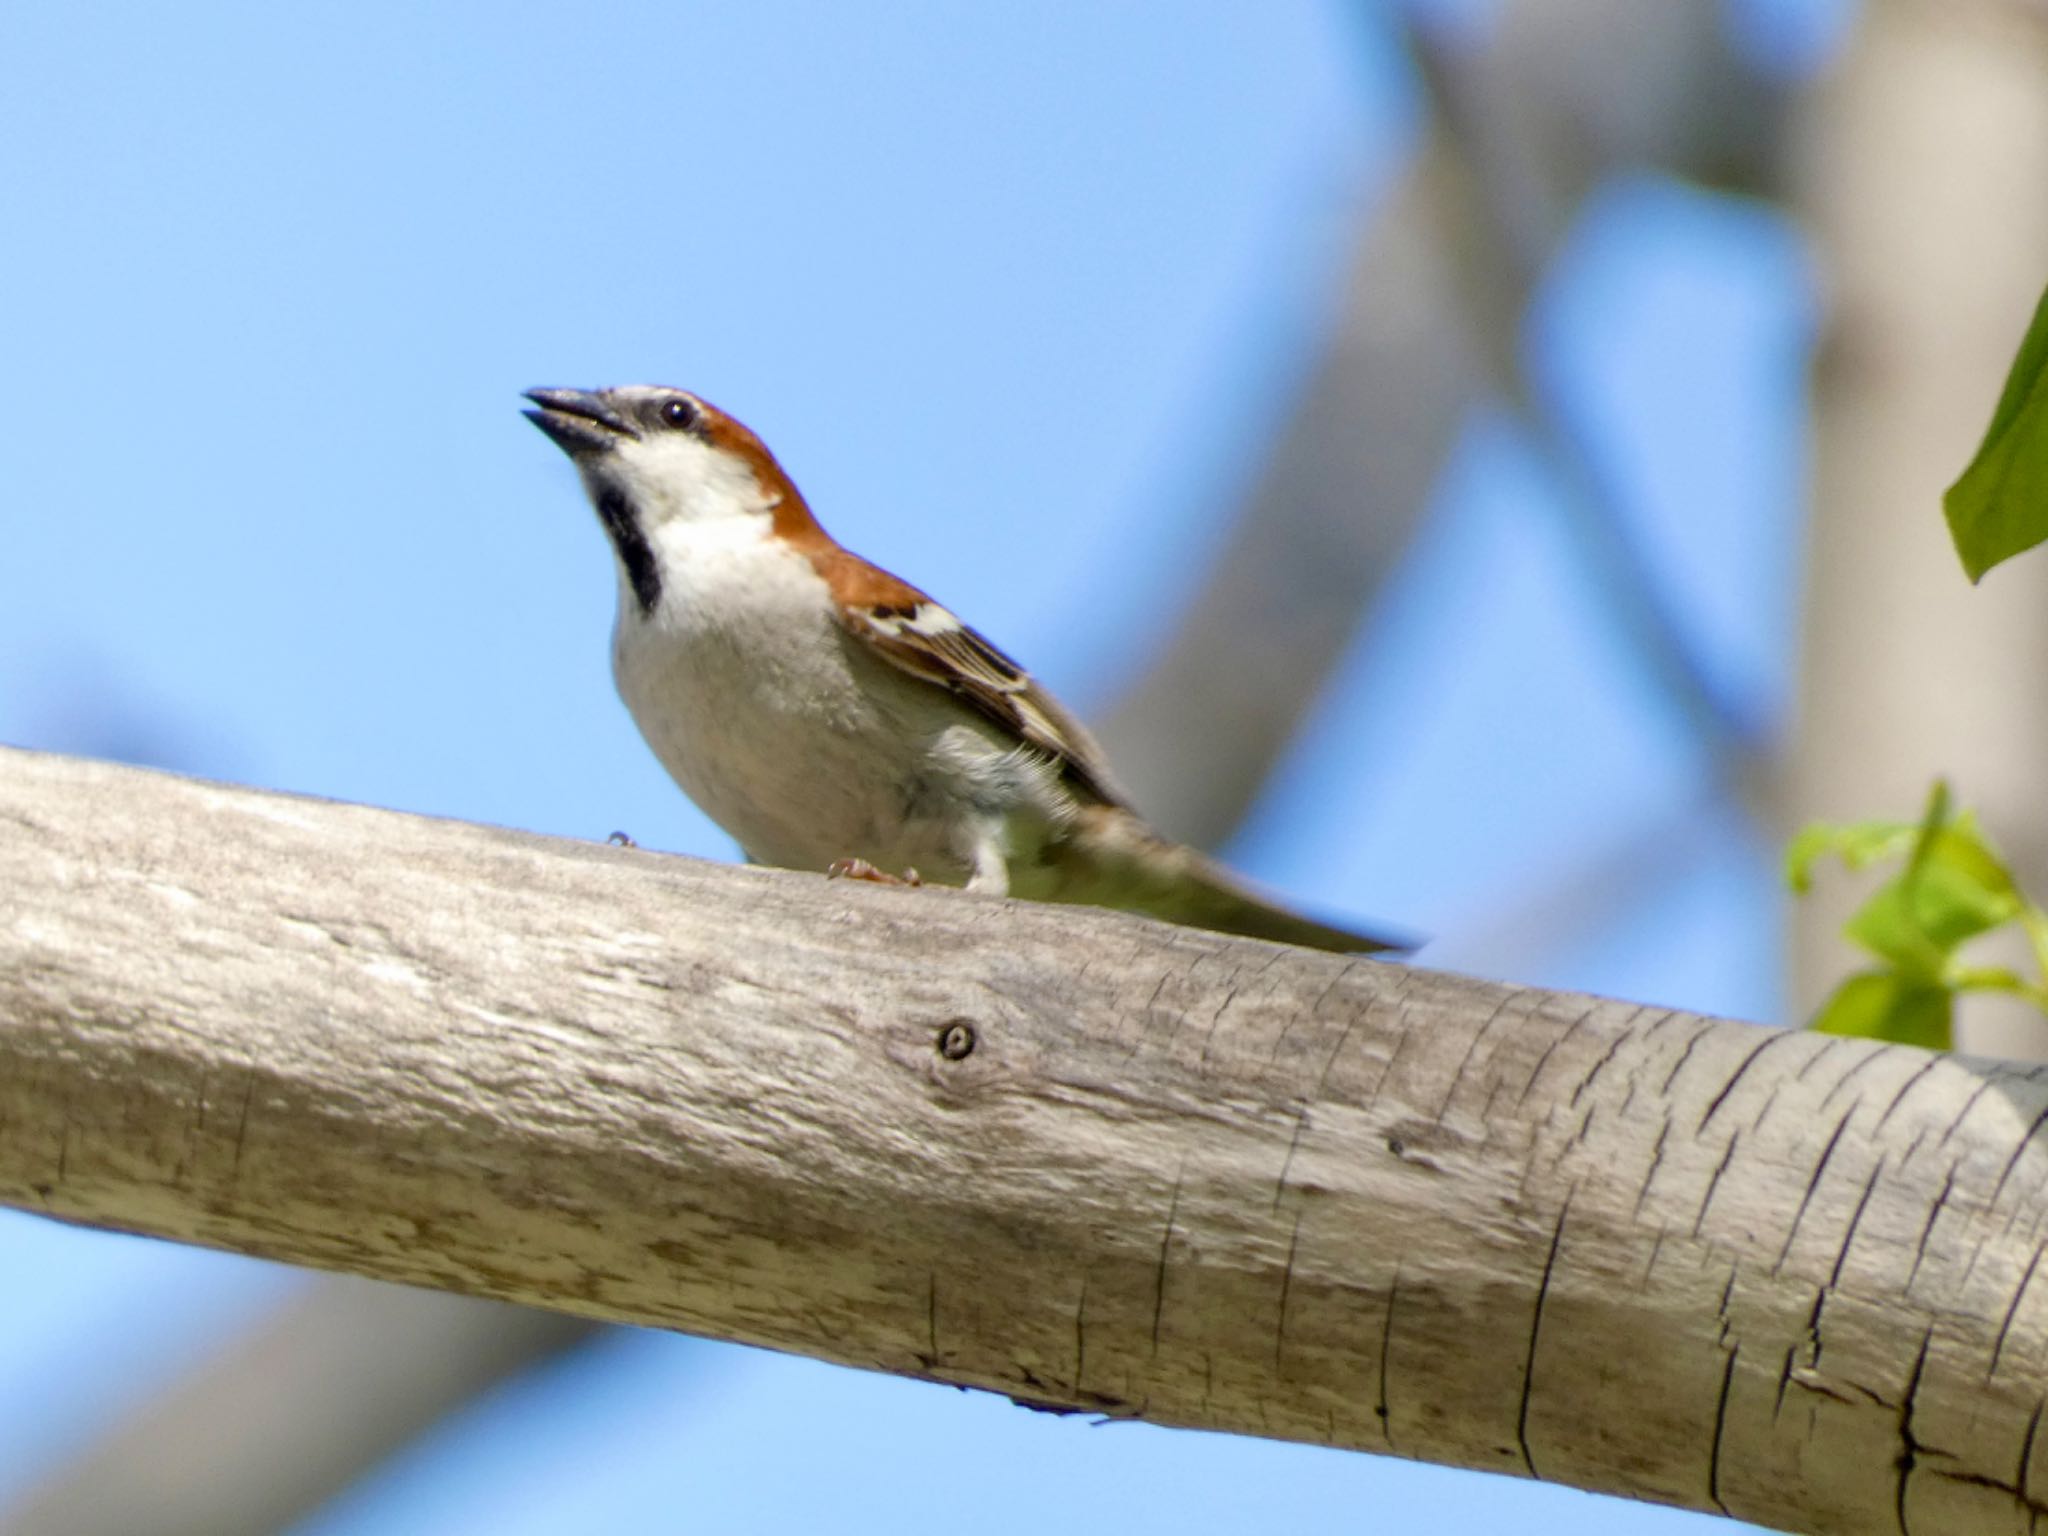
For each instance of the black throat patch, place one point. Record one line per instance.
(631, 543)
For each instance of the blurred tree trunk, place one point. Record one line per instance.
(1924, 178)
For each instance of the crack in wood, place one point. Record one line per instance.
(1774, 1037)
(1909, 1448)
(1720, 1430)
(1384, 1409)
(1165, 1248)
(1535, 1335)
(2012, 1311)
(1820, 1170)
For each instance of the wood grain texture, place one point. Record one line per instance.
(1193, 1179)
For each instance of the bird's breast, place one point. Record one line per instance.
(752, 696)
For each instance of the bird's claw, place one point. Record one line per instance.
(861, 869)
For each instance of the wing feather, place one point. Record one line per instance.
(926, 640)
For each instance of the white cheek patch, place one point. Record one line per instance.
(674, 476)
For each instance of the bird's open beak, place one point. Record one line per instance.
(579, 421)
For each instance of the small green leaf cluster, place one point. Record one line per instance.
(1952, 888)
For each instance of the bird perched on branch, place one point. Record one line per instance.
(832, 717)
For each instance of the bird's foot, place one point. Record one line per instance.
(621, 840)
(861, 869)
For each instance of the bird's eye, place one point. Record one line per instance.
(679, 414)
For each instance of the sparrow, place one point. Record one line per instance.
(832, 717)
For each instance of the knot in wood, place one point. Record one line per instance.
(956, 1040)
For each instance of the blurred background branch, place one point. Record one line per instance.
(341, 1377)
(1539, 122)
(1343, 490)
(1521, 125)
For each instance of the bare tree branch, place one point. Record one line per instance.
(1344, 488)
(231, 1449)
(1067, 1155)
(1525, 176)
(1521, 130)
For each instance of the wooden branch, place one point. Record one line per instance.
(1075, 1157)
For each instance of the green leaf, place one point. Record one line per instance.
(1858, 844)
(1932, 822)
(1951, 887)
(2034, 923)
(1972, 890)
(1917, 919)
(1883, 1005)
(1991, 978)
(1999, 506)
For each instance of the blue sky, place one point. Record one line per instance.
(1018, 294)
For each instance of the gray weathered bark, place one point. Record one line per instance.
(1072, 1156)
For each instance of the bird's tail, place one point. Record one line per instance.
(1118, 861)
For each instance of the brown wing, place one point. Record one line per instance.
(925, 639)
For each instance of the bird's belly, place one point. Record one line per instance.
(799, 760)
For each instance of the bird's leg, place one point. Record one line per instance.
(861, 869)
